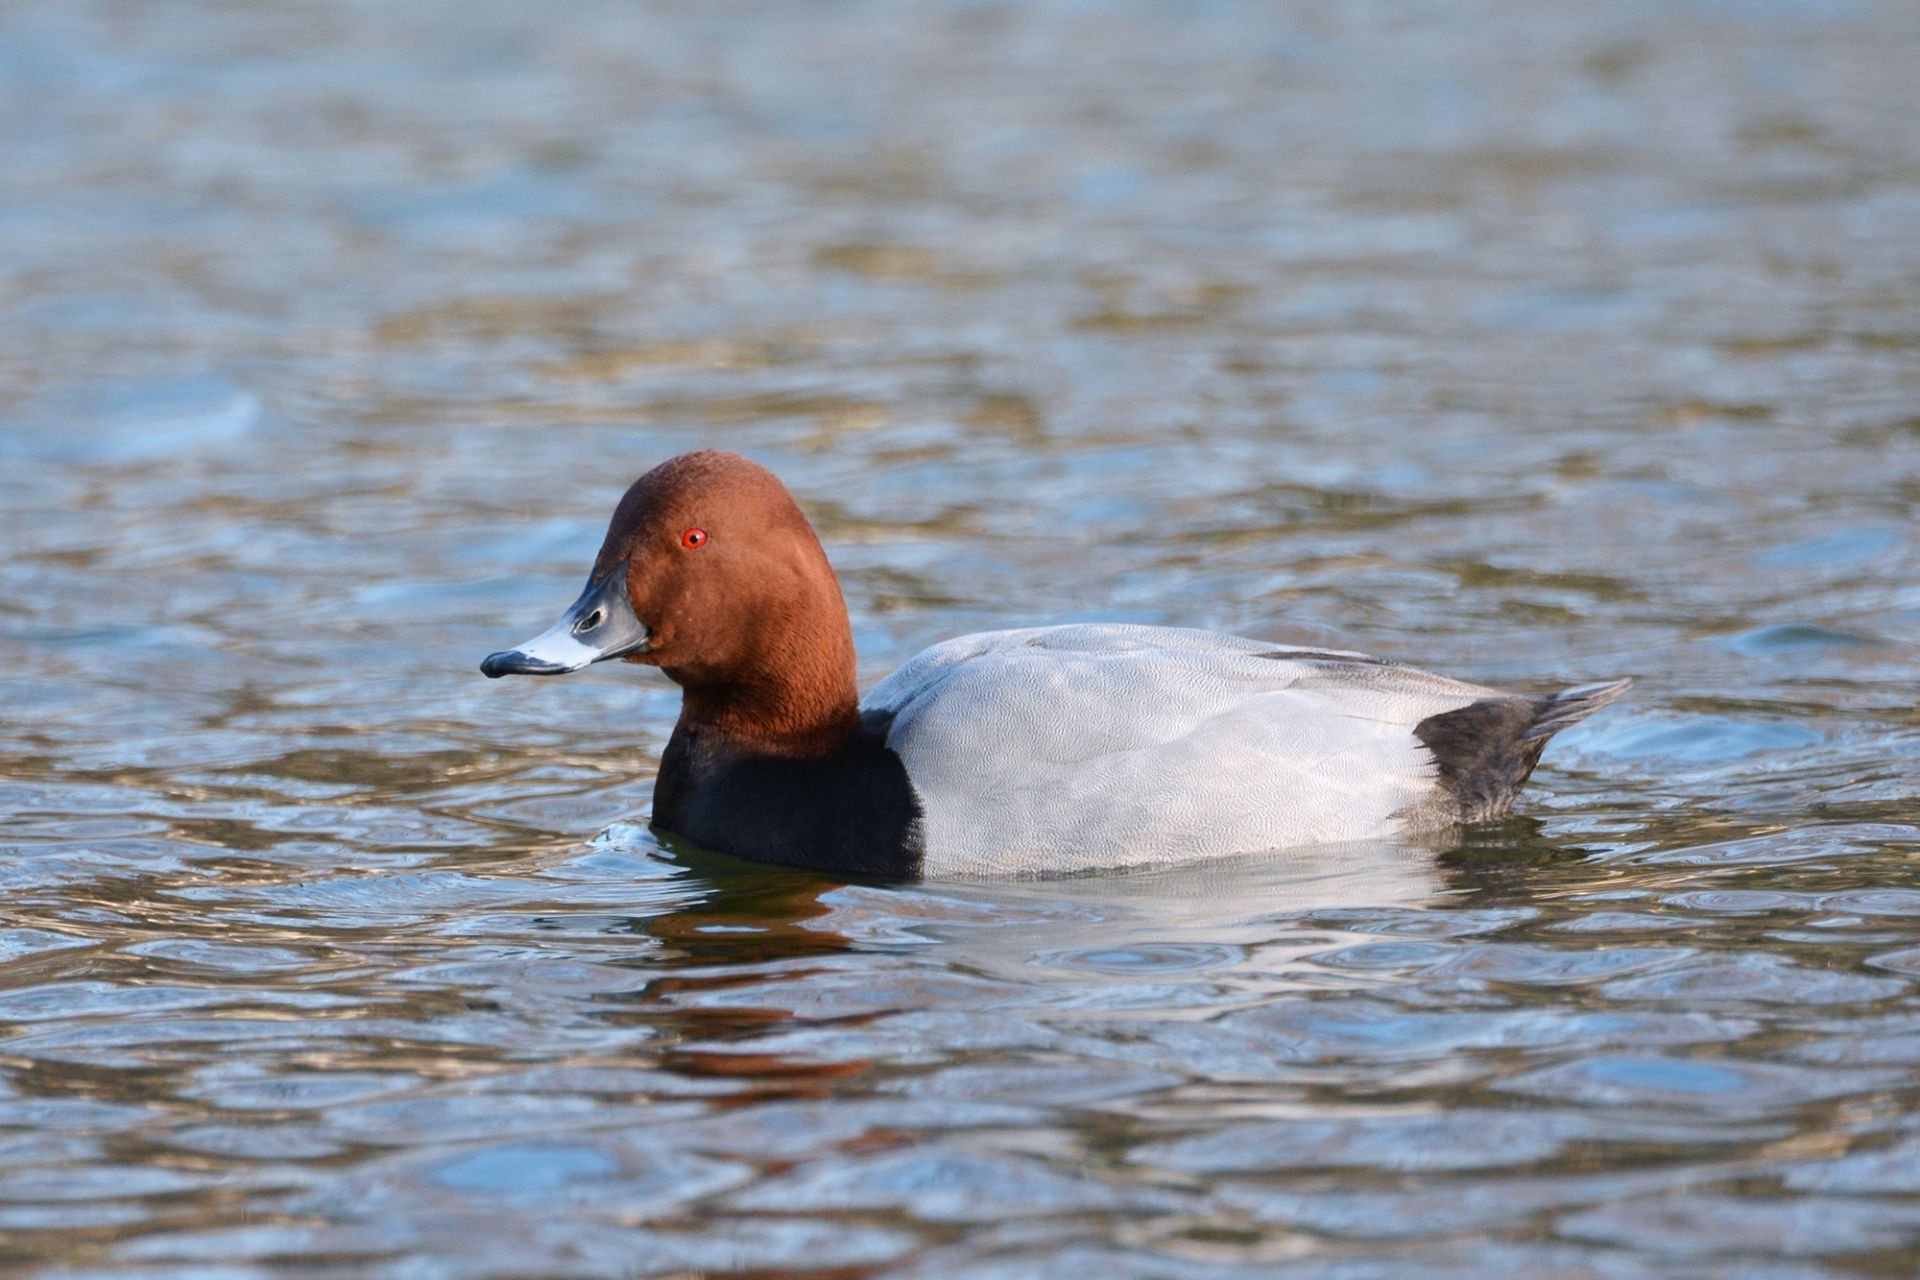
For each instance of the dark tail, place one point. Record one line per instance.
(1487, 750)
(1570, 706)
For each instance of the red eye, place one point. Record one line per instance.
(693, 538)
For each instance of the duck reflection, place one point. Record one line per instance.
(732, 950)
(763, 995)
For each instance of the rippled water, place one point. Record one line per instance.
(1537, 342)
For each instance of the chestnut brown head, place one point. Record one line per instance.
(710, 571)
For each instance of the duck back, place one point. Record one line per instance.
(1057, 749)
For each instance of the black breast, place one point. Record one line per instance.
(853, 812)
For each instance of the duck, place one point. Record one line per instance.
(1038, 751)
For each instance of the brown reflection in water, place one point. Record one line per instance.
(753, 919)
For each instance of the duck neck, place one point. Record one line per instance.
(800, 704)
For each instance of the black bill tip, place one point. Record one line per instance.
(512, 662)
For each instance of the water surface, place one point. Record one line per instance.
(1534, 342)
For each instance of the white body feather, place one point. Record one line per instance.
(1065, 748)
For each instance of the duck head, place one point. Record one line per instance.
(710, 572)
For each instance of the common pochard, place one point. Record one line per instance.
(1042, 750)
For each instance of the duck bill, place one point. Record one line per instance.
(599, 625)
